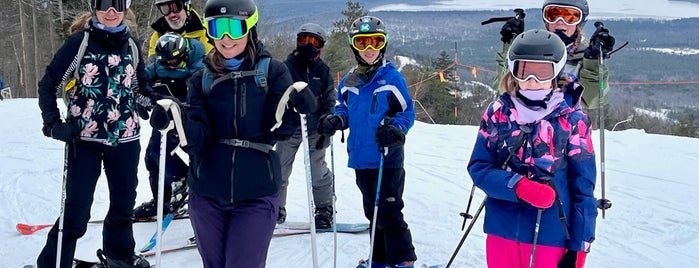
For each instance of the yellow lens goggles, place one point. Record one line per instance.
(362, 42)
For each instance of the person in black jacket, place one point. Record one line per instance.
(231, 127)
(101, 131)
(177, 58)
(304, 64)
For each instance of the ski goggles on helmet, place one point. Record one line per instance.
(170, 7)
(217, 27)
(362, 42)
(105, 5)
(541, 71)
(568, 14)
(304, 39)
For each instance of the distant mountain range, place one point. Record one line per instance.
(423, 35)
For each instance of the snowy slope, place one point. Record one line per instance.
(651, 179)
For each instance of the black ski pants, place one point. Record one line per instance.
(393, 243)
(85, 160)
(175, 168)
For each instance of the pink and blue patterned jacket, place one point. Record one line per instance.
(559, 147)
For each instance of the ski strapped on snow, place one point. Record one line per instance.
(154, 239)
(30, 229)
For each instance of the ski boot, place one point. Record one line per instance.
(365, 264)
(133, 262)
(145, 211)
(281, 218)
(324, 217)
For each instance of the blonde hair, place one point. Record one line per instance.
(80, 22)
(509, 84)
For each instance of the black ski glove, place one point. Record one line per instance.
(64, 132)
(160, 118)
(512, 28)
(328, 124)
(389, 135)
(304, 101)
(573, 259)
(601, 36)
(143, 105)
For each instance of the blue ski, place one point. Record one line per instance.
(153, 240)
(433, 266)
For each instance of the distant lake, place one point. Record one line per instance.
(598, 8)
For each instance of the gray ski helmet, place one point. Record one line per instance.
(169, 46)
(312, 29)
(538, 45)
(581, 4)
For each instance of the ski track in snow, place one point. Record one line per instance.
(651, 180)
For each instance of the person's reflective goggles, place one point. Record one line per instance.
(217, 27)
(170, 7)
(105, 5)
(541, 71)
(309, 38)
(569, 15)
(362, 42)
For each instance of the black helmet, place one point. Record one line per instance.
(538, 45)
(239, 9)
(368, 25)
(170, 46)
(119, 5)
(581, 4)
(312, 29)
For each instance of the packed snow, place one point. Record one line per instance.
(651, 179)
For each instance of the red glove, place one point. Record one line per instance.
(573, 259)
(537, 194)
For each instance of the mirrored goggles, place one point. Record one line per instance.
(541, 71)
(217, 27)
(362, 42)
(105, 5)
(304, 39)
(569, 15)
(170, 7)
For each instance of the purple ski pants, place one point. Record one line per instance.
(235, 234)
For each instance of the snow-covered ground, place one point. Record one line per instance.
(651, 179)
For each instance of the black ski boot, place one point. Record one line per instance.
(281, 218)
(145, 211)
(134, 262)
(324, 217)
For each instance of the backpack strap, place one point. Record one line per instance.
(209, 79)
(68, 82)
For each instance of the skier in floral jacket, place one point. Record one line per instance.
(101, 131)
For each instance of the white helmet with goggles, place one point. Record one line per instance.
(537, 54)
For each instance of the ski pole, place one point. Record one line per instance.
(332, 170)
(376, 205)
(309, 187)
(536, 236)
(468, 230)
(166, 104)
(468, 206)
(600, 28)
(61, 217)
(384, 152)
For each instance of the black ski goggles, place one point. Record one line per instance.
(105, 5)
(170, 7)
